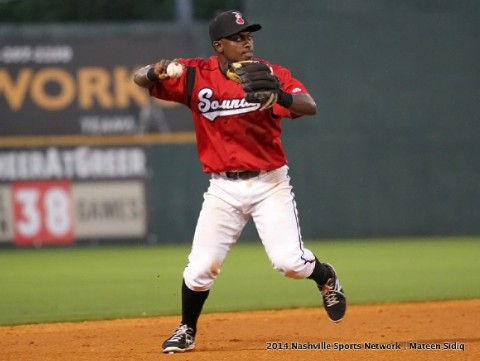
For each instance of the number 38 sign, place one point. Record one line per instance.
(42, 212)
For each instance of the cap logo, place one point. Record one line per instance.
(238, 18)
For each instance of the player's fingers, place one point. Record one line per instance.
(161, 69)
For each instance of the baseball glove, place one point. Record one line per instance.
(258, 80)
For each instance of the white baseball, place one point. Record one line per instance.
(174, 70)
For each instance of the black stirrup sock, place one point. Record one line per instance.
(320, 273)
(192, 304)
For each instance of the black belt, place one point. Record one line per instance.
(246, 174)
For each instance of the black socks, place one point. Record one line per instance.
(192, 304)
(193, 301)
(320, 273)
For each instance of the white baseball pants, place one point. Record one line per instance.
(228, 205)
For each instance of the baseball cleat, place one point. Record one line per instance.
(334, 300)
(183, 339)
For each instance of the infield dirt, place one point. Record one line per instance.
(448, 330)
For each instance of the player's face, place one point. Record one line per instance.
(238, 46)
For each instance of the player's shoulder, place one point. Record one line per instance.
(200, 63)
(277, 68)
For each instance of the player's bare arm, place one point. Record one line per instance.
(303, 104)
(147, 76)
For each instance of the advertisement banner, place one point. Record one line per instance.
(79, 163)
(59, 212)
(42, 213)
(84, 85)
(58, 195)
(108, 210)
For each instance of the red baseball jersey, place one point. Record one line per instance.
(231, 133)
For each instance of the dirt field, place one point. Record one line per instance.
(265, 335)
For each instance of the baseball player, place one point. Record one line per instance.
(237, 102)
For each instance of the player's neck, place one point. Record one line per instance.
(223, 65)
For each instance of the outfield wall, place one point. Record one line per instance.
(393, 149)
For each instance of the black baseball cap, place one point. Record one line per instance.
(229, 23)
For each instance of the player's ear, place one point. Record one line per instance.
(218, 46)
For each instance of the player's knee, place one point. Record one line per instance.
(200, 277)
(291, 268)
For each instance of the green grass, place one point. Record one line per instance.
(71, 284)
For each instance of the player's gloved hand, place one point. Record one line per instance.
(260, 84)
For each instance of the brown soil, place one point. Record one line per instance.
(252, 335)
